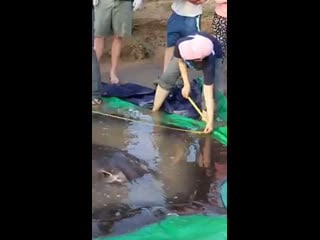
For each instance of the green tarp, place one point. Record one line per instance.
(194, 227)
(114, 105)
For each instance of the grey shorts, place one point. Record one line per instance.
(113, 17)
(169, 78)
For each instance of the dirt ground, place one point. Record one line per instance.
(142, 54)
(149, 31)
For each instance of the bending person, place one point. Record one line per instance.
(199, 51)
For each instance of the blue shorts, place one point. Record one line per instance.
(180, 26)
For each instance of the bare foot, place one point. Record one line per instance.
(113, 78)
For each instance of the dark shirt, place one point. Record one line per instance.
(207, 65)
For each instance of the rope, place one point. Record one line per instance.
(196, 107)
(147, 123)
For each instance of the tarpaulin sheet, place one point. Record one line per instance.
(176, 110)
(144, 96)
(194, 227)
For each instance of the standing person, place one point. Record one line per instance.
(219, 22)
(96, 76)
(113, 18)
(184, 20)
(219, 27)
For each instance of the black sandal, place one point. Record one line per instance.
(97, 101)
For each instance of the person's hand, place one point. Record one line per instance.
(95, 2)
(208, 128)
(185, 91)
(136, 4)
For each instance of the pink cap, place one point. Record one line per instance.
(198, 47)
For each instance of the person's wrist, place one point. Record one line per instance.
(209, 121)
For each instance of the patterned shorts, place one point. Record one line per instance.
(219, 28)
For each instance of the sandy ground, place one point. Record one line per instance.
(142, 54)
(149, 31)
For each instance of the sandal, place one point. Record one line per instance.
(97, 101)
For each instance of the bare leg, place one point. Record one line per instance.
(159, 98)
(115, 54)
(99, 47)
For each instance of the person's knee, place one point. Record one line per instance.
(166, 81)
(117, 38)
(98, 43)
(166, 86)
(99, 39)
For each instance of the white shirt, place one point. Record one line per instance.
(186, 9)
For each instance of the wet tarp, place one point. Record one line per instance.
(191, 227)
(176, 111)
(143, 97)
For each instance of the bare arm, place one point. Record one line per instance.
(184, 74)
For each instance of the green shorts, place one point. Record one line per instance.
(113, 17)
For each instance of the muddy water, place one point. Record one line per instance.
(142, 173)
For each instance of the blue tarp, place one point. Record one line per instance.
(144, 96)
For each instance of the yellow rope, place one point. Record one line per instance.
(146, 123)
(196, 108)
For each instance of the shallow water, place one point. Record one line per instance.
(155, 171)
(142, 173)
